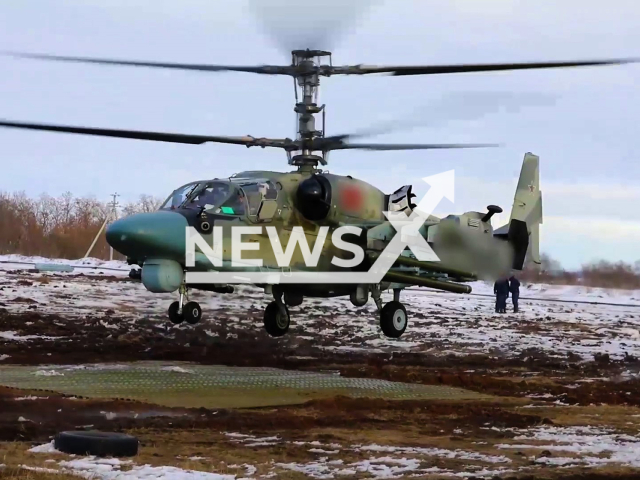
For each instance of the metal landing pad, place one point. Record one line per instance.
(178, 384)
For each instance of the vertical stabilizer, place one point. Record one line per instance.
(523, 230)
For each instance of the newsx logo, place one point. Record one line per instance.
(407, 235)
(214, 252)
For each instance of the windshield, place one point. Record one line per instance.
(179, 195)
(216, 197)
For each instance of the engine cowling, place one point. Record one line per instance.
(313, 198)
(162, 276)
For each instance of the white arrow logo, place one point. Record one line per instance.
(442, 186)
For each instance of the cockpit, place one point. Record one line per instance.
(179, 195)
(222, 197)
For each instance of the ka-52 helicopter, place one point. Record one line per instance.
(312, 200)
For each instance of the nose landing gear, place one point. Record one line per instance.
(189, 312)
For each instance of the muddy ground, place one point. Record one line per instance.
(535, 392)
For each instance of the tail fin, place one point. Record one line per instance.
(523, 229)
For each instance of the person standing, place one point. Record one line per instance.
(501, 291)
(514, 288)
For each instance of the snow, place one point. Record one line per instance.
(251, 441)
(577, 446)
(46, 448)
(382, 467)
(440, 323)
(436, 452)
(320, 450)
(386, 466)
(86, 265)
(567, 293)
(19, 338)
(39, 469)
(557, 320)
(177, 370)
(571, 446)
(108, 469)
(588, 446)
(47, 373)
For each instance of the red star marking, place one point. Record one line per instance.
(351, 198)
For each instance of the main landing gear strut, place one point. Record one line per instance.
(393, 316)
(180, 311)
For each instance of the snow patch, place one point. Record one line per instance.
(109, 469)
(13, 336)
(46, 448)
(47, 373)
(590, 446)
(177, 370)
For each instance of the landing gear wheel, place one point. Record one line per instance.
(275, 323)
(393, 319)
(192, 312)
(175, 316)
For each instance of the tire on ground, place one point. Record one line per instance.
(99, 444)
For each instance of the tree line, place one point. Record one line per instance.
(59, 227)
(599, 273)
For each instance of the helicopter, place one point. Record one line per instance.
(311, 200)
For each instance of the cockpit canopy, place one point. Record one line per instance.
(179, 195)
(240, 197)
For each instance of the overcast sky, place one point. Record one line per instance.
(583, 123)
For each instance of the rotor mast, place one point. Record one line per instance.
(307, 68)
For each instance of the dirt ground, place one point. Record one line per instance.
(535, 393)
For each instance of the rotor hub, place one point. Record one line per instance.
(306, 160)
(310, 53)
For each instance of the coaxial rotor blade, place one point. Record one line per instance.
(263, 69)
(468, 68)
(403, 146)
(458, 106)
(247, 141)
(340, 70)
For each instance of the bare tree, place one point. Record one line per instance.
(146, 203)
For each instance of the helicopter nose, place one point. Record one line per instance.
(153, 234)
